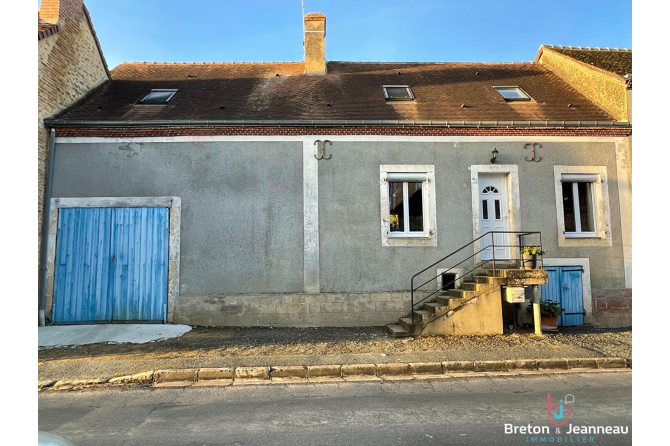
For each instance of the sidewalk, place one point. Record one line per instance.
(269, 347)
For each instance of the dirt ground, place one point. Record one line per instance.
(266, 341)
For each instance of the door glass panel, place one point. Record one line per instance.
(568, 208)
(415, 192)
(497, 203)
(585, 206)
(485, 209)
(396, 208)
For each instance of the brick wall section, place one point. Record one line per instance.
(295, 310)
(606, 90)
(117, 132)
(69, 66)
(53, 11)
(613, 308)
(49, 10)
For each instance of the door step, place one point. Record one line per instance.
(397, 331)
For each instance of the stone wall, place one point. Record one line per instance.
(605, 90)
(70, 65)
(613, 307)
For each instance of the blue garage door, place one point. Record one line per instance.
(111, 265)
(565, 287)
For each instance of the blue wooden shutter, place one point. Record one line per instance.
(82, 266)
(139, 267)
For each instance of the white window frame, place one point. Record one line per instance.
(526, 97)
(408, 173)
(159, 90)
(597, 176)
(409, 92)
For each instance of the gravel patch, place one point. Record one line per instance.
(266, 341)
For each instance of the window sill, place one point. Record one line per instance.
(413, 240)
(408, 236)
(589, 236)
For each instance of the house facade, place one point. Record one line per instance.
(309, 193)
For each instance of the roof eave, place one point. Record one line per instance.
(337, 123)
(48, 32)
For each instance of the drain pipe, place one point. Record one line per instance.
(45, 229)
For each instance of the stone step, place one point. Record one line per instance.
(485, 279)
(436, 308)
(422, 312)
(422, 316)
(397, 331)
(406, 323)
(450, 300)
(463, 294)
(473, 286)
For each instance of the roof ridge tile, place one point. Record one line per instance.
(587, 48)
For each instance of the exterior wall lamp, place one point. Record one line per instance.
(495, 155)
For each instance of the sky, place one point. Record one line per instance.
(363, 30)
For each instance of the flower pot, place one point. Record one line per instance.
(529, 261)
(549, 323)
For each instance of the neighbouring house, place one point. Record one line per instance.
(70, 66)
(309, 193)
(604, 75)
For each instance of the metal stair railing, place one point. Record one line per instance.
(492, 260)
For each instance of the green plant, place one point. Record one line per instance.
(548, 308)
(531, 251)
(551, 308)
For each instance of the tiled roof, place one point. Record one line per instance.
(617, 61)
(349, 91)
(46, 30)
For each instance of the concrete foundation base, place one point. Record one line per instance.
(293, 310)
(481, 316)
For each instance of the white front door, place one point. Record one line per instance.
(493, 215)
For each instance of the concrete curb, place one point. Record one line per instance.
(225, 376)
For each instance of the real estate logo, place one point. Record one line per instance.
(558, 413)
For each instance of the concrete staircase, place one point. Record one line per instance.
(448, 304)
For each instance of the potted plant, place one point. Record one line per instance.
(549, 313)
(529, 256)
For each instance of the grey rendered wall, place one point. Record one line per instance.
(352, 256)
(242, 220)
(241, 205)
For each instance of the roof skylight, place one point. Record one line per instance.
(512, 93)
(398, 93)
(158, 96)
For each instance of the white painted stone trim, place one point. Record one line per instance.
(513, 199)
(115, 202)
(310, 189)
(586, 281)
(459, 276)
(429, 209)
(625, 209)
(174, 208)
(604, 232)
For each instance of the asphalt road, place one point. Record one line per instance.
(468, 411)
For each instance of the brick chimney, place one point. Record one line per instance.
(52, 10)
(315, 44)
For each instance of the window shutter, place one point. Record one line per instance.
(406, 176)
(579, 177)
